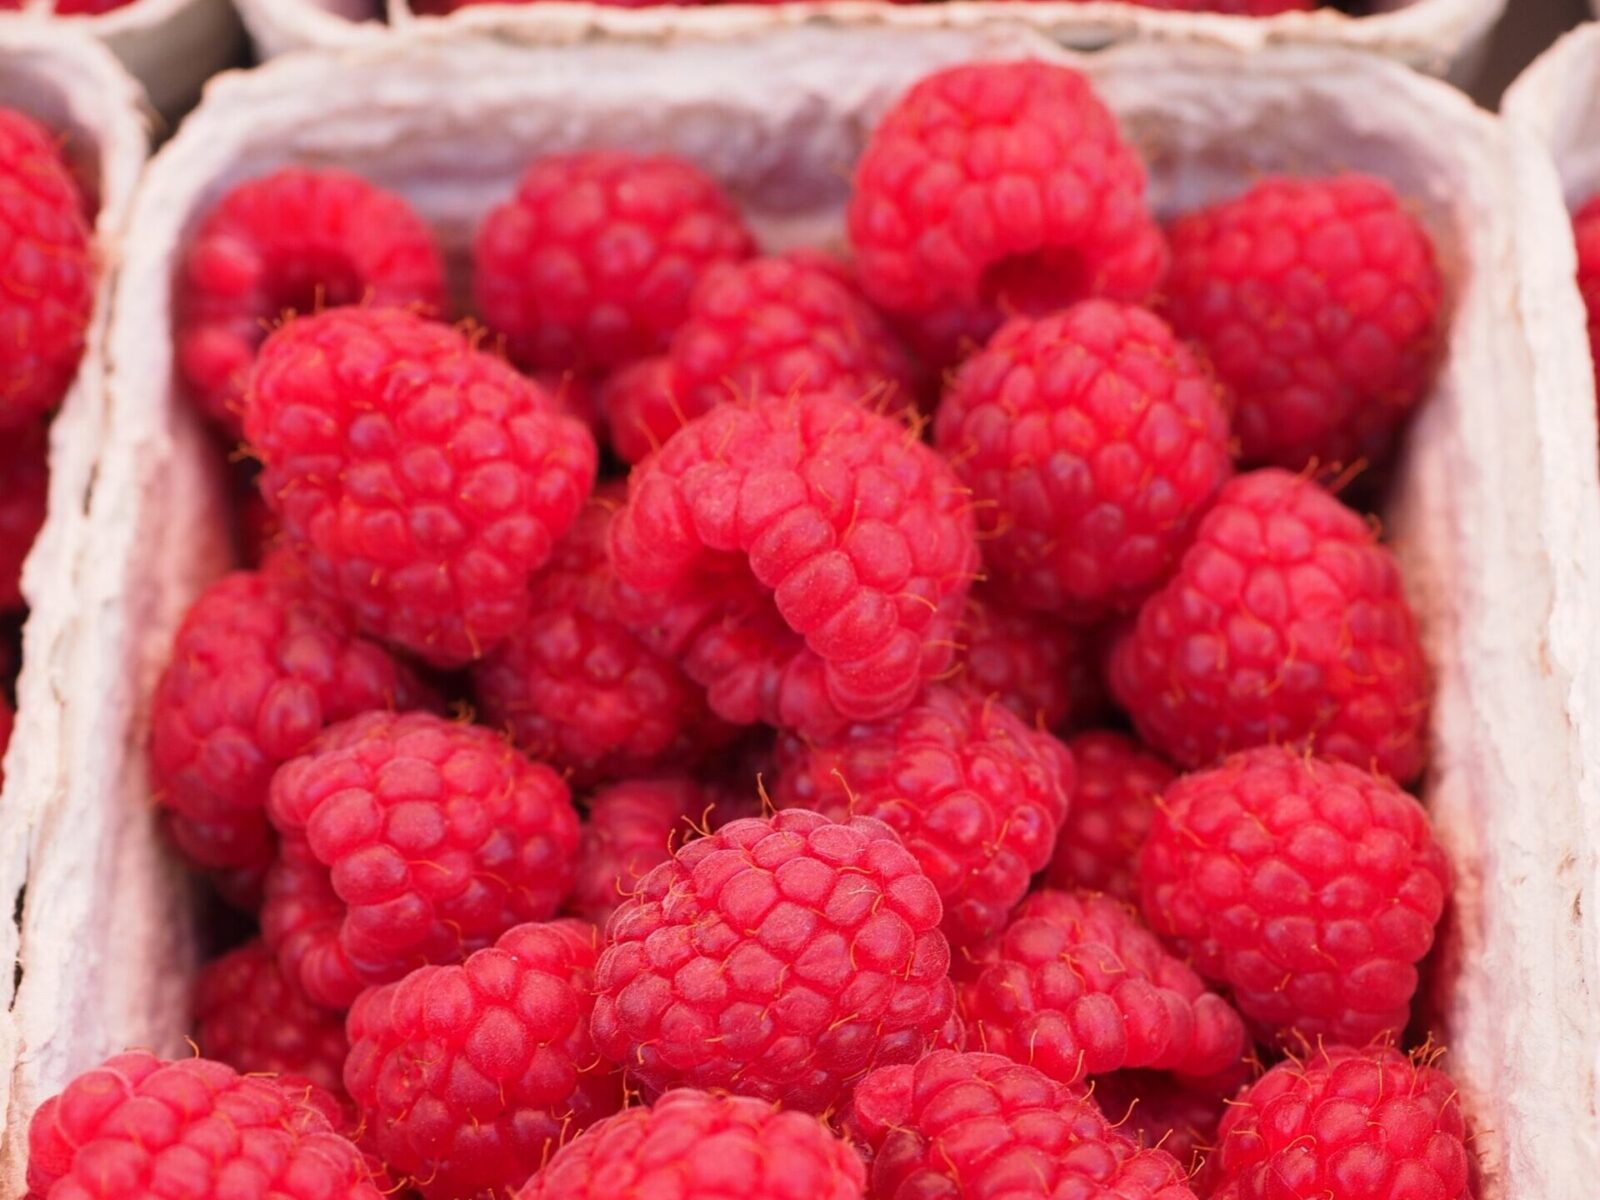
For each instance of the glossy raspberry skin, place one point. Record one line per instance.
(771, 326)
(136, 1126)
(694, 1145)
(1345, 1123)
(1112, 807)
(580, 690)
(591, 263)
(1317, 302)
(976, 795)
(1309, 888)
(780, 957)
(259, 667)
(1022, 659)
(997, 188)
(422, 481)
(1586, 231)
(248, 1014)
(808, 559)
(631, 828)
(1286, 622)
(1155, 1110)
(406, 840)
(1092, 440)
(1076, 985)
(24, 497)
(294, 241)
(982, 1127)
(468, 1077)
(47, 272)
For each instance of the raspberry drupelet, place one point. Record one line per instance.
(591, 263)
(982, 1127)
(1092, 440)
(695, 1145)
(469, 1077)
(47, 271)
(1345, 1122)
(24, 499)
(406, 840)
(974, 793)
(1317, 302)
(807, 559)
(421, 480)
(1119, 782)
(1285, 622)
(780, 957)
(294, 241)
(1310, 889)
(1586, 231)
(137, 1126)
(997, 188)
(259, 667)
(1021, 658)
(631, 828)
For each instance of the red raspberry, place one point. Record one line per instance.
(1157, 1111)
(997, 188)
(632, 828)
(637, 401)
(808, 559)
(781, 957)
(982, 1127)
(591, 263)
(422, 480)
(974, 793)
(576, 687)
(1119, 782)
(259, 666)
(1317, 301)
(469, 1076)
(85, 8)
(1346, 1122)
(1093, 440)
(1285, 622)
(1023, 659)
(1586, 229)
(773, 326)
(47, 273)
(24, 497)
(693, 1145)
(407, 840)
(1077, 986)
(296, 240)
(140, 1127)
(8, 722)
(1309, 888)
(248, 1014)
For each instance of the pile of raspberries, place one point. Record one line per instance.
(742, 721)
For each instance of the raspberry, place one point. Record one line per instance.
(781, 957)
(632, 828)
(576, 687)
(1093, 440)
(407, 840)
(1317, 301)
(422, 481)
(46, 272)
(297, 240)
(997, 188)
(1345, 1122)
(1586, 229)
(982, 1127)
(24, 497)
(1020, 658)
(1076, 986)
(87, 8)
(1119, 782)
(469, 1076)
(259, 666)
(638, 404)
(136, 1126)
(1157, 1111)
(1285, 622)
(693, 1145)
(826, 551)
(591, 263)
(975, 795)
(8, 722)
(249, 1015)
(1311, 889)
(772, 326)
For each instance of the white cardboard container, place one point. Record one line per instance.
(75, 86)
(1442, 37)
(1496, 516)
